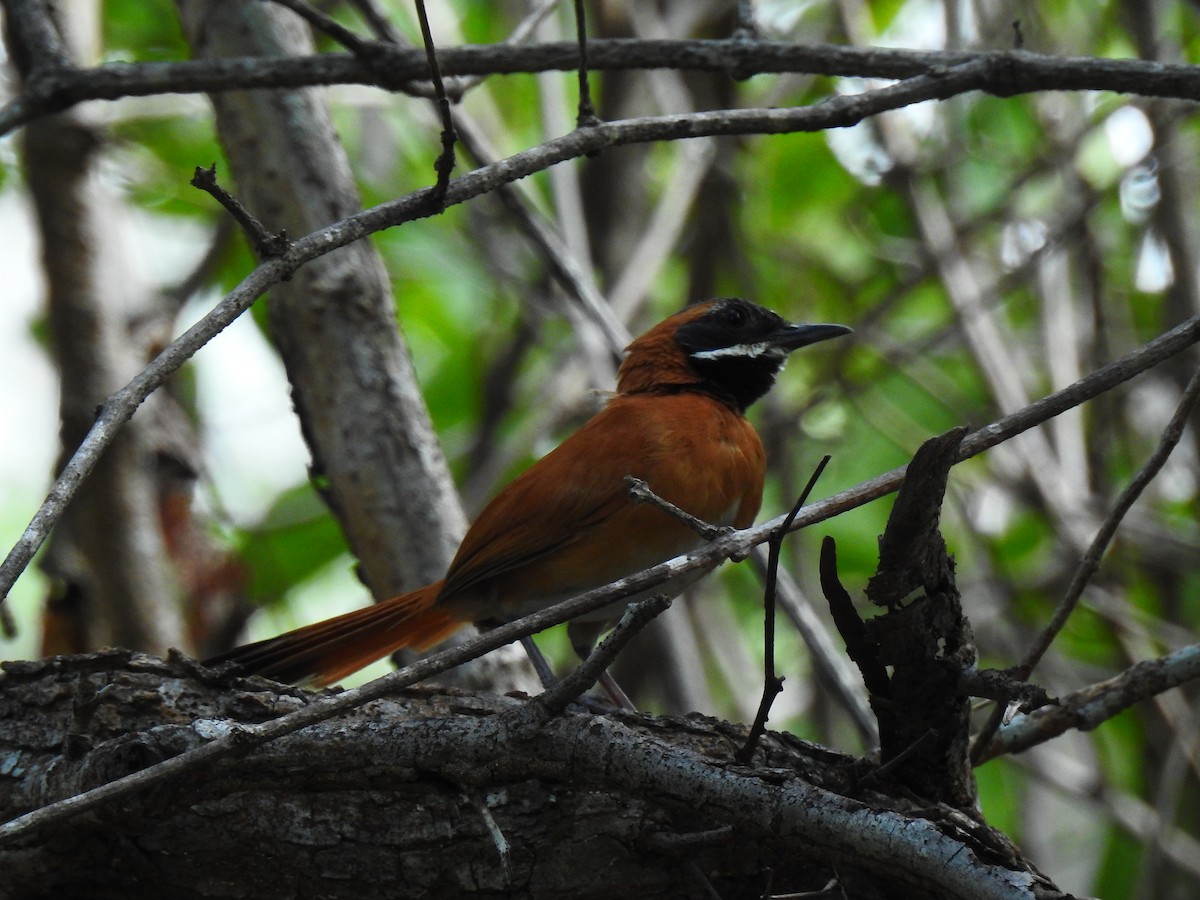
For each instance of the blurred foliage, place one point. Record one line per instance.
(1055, 201)
(141, 31)
(295, 540)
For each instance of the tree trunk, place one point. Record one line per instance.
(113, 584)
(376, 457)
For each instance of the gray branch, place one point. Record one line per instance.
(1097, 703)
(1007, 72)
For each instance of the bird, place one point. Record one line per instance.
(569, 524)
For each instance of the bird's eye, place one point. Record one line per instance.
(734, 316)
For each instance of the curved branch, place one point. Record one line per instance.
(1090, 562)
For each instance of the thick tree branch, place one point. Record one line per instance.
(428, 753)
(226, 742)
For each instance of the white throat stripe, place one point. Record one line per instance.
(747, 351)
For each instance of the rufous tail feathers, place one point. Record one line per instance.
(326, 652)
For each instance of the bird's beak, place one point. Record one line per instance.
(793, 337)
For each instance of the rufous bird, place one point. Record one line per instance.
(568, 524)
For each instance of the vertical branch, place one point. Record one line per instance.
(375, 455)
(587, 112)
(114, 583)
(772, 682)
(745, 27)
(445, 161)
(925, 637)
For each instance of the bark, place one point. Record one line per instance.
(925, 639)
(373, 446)
(918, 659)
(448, 794)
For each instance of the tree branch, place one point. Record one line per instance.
(1095, 553)
(1096, 703)
(264, 243)
(1006, 72)
(238, 739)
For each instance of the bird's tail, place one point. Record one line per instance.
(328, 651)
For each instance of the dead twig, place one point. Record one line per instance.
(636, 617)
(265, 244)
(640, 491)
(587, 112)
(444, 164)
(772, 682)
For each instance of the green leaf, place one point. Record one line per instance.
(295, 540)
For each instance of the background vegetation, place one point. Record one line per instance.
(987, 250)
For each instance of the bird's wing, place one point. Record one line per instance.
(559, 500)
(690, 450)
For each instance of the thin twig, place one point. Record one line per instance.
(444, 164)
(1096, 703)
(897, 760)
(323, 22)
(641, 493)
(587, 112)
(265, 244)
(381, 26)
(772, 682)
(457, 86)
(745, 27)
(1090, 562)
(376, 55)
(829, 662)
(833, 889)
(550, 247)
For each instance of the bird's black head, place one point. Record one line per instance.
(737, 347)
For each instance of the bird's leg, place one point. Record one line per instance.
(583, 640)
(546, 675)
(615, 694)
(539, 662)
